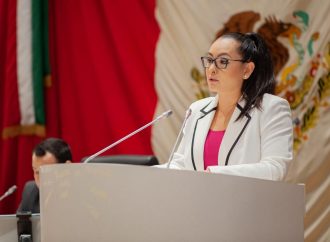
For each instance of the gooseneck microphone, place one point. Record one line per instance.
(188, 113)
(10, 191)
(163, 115)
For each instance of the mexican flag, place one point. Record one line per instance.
(32, 68)
(24, 75)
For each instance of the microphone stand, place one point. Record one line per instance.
(163, 115)
(188, 113)
(10, 191)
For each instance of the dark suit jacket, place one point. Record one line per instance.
(30, 198)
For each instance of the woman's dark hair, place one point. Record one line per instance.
(262, 80)
(57, 147)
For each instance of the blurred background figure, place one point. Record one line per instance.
(49, 151)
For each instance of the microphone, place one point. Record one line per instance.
(10, 191)
(163, 115)
(188, 113)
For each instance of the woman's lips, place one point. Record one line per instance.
(213, 80)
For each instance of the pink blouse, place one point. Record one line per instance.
(212, 147)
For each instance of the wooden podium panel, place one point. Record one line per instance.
(109, 202)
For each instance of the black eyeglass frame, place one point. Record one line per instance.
(213, 60)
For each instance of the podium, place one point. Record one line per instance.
(110, 202)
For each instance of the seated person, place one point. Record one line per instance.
(50, 151)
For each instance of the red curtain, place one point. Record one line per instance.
(102, 65)
(102, 60)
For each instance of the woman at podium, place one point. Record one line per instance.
(244, 129)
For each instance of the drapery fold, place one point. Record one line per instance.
(101, 85)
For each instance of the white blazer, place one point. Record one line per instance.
(258, 145)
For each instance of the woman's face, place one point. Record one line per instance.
(229, 79)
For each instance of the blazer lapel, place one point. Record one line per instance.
(233, 133)
(201, 129)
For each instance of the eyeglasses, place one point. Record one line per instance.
(220, 62)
